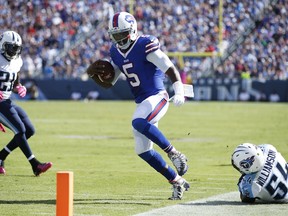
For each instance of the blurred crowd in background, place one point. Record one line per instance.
(61, 38)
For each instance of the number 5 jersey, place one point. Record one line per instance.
(270, 184)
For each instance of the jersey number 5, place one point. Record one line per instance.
(134, 80)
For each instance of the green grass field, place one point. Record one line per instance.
(94, 141)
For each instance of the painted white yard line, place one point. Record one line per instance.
(228, 204)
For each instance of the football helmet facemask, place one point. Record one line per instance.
(123, 29)
(10, 44)
(248, 158)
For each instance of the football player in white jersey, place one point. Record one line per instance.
(11, 115)
(264, 173)
(140, 59)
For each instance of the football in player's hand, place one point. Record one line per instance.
(101, 70)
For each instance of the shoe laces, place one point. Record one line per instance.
(177, 158)
(178, 188)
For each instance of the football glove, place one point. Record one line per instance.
(21, 90)
(179, 98)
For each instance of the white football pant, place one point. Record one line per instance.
(142, 143)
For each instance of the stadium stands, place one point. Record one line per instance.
(61, 38)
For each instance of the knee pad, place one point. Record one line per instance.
(140, 124)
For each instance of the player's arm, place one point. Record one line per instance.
(246, 199)
(16, 83)
(162, 61)
(117, 73)
(245, 188)
(18, 88)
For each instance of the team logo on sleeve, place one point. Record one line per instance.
(247, 163)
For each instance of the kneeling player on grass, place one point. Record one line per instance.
(140, 59)
(264, 173)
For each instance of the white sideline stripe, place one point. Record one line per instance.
(224, 204)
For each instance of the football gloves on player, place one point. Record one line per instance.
(179, 98)
(21, 90)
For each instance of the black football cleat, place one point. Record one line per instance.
(41, 168)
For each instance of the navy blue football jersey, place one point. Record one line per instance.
(143, 77)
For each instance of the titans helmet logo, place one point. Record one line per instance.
(129, 19)
(247, 163)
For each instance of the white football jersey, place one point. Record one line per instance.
(8, 74)
(270, 184)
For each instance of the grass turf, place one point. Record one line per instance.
(94, 140)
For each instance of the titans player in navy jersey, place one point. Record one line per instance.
(11, 115)
(145, 66)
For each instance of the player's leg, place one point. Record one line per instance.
(37, 166)
(144, 149)
(12, 119)
(145, 121)
(29, 128)
(146, 117)
(4, 109)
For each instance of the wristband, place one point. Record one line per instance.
(178, 88)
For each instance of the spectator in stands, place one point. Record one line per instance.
(62, 32)
(246, 84)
